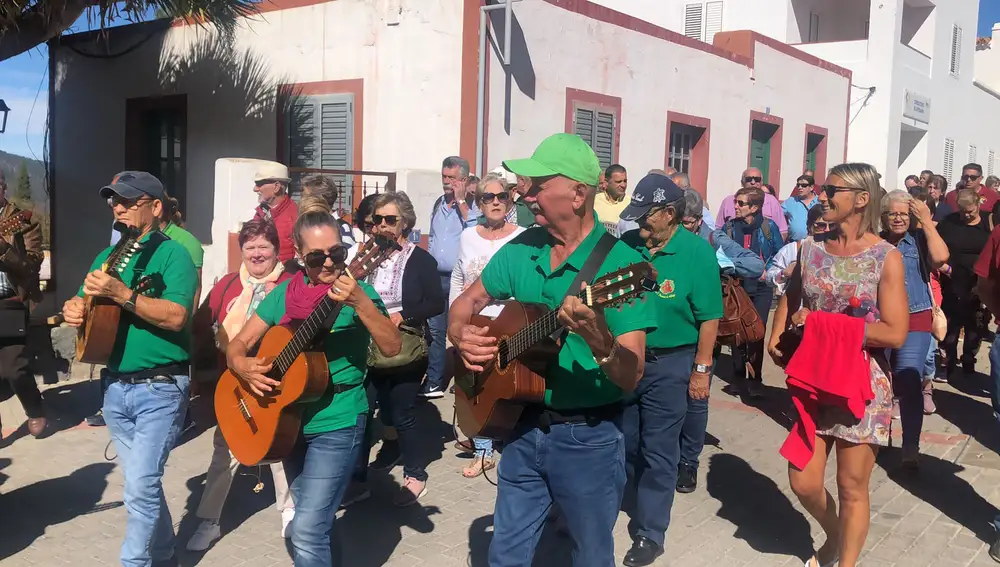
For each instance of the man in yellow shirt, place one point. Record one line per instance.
(611, 201)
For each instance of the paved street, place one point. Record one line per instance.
(60, 499)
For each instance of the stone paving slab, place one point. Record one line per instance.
(60, 498)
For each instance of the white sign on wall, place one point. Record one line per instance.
(917, 107)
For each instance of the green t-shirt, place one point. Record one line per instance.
(689, 290)
(346, 349)
(521, 269)
(188, 241)
(140, 345)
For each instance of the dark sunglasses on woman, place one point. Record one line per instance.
(317, 258)
(832, 190)
(390, 220)
(487, 198)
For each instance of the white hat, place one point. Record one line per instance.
(272, 171)
(507, 176)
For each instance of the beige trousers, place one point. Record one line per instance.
(220, 478)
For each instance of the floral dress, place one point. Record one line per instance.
(829, 283)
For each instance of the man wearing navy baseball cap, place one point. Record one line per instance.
(687, 305)
(153, 280)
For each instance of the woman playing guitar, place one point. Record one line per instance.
(333, 429)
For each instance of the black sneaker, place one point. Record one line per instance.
(430, 392)
(388, 456)
(687, 478)
(96, 420)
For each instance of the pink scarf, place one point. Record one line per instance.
(301, 298)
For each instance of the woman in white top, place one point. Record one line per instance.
(477, 245)
(781, 266)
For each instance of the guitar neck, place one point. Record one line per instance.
(306, 334)
(534, 332)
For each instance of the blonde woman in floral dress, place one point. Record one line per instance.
(851, 270)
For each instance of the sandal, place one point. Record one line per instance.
(814, 562)
(479, 466)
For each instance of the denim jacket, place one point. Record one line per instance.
(748, 265)
(917, 292)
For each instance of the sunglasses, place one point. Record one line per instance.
(970, 177)
(487, 198)
(832, 190)
(390, 220)
(128, 203)
(804, 185)
(749, 179)
(317, 258)
(822, 226)
(742, 203)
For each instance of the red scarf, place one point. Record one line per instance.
(301, 298)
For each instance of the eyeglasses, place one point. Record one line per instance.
(487, 198)
(337, 254)
(742, 203)
(688, 222)
(970, 177)
(804, 185)
(752, 179)
(897, 215)
(820, 226)
(390, 220)
(832, 190)
(128, 203)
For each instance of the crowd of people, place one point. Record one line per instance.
(881, 286)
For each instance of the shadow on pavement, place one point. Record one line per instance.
(937, 485)
(744, 493)
(553, 549)
(66, 406)
(973, 417)
(51, 501)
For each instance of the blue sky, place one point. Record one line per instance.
(24, 86)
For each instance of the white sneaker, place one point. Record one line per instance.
(286, 520)
(207, 532)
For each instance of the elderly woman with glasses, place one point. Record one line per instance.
(410, 287)
(477, 245)
(908, 225)
(851, 273)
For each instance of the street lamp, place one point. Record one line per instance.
(4, 109)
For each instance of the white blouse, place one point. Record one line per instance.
(474, 252)
(388, 279)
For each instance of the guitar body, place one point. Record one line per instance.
(489, 403)
(264, 429)
(95, 339)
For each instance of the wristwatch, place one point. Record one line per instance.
(702, 368)
(130, 304)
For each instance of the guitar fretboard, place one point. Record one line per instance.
(305, 335)
(513, 347)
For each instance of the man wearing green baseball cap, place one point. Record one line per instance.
(568, 449)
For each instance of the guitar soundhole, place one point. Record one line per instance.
(244, 410)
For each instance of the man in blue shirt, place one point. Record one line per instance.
(797, 208)
(451, 214)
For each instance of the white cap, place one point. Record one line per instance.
(272, 171)
(507, 176)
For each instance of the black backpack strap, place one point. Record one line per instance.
(588, 271)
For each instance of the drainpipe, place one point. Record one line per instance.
(508, 7)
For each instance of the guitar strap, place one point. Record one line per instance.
(148, 250)
(588, 271)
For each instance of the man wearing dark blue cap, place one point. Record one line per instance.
(688, 306)
(147, 396)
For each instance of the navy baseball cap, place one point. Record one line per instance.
(652, 191)
(133, 185)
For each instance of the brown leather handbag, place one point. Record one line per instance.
(740, 323)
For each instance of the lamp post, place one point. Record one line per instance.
(4, 110)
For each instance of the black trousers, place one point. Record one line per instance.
(17, 379)
(963, 313)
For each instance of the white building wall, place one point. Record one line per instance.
(614, 61)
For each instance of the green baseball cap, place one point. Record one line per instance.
(560, 154)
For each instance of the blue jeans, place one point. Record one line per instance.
(438, 326)
(694, 428)
(907, 363)
(930, 365)
(318, 471)
(652, 425)
(995, 375)
(144, 421)
(580, 468)
(484, 447)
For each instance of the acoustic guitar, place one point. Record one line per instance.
(16, 223)
(96, 337)
(489, 403)
(263, 429)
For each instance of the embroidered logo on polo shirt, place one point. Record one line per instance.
(666, 290)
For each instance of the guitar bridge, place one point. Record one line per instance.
(244, 410)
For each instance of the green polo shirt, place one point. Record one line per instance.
(140, 345)
(188, 241)
(521, 270)
(689, 291)
(346, 350)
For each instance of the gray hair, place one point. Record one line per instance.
(403, 203)
(896, 196)
(490, 178)
(967, 197)
(455, 161)
(681, 179)
(694, 205)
